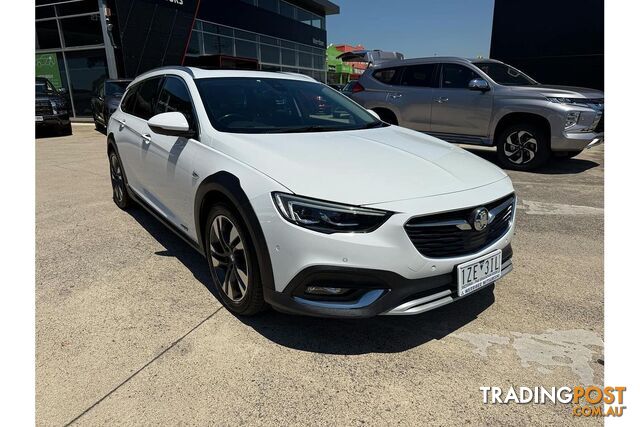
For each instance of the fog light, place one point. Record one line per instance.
(572, 119)
(326, 290)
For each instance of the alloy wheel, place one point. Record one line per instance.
(117, 179)
(520, 147)
(228, 258)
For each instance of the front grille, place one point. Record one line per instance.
(597, 101)
(450, 234)
(43, 108)
(600, 127)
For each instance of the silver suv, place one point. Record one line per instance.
(484, 102)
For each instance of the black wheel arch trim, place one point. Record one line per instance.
(229, 186)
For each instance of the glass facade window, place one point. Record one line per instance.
(269, 54)
(287, 10)
(290, 11)
(87, 70)
(70, 49)
(271, 5)
(273, 54)
(77, 7)
(217, 45)
(45, 12)
(47, 36)
(246, 49)
(288, 57)
(82, 30)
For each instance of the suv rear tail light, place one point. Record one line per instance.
(357, 88)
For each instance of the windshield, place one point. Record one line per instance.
(43, 87)
(115, 88)
(505, 75)
(268, 105)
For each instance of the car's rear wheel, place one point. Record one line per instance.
(118, 184)
(233, 261)
(523, 147)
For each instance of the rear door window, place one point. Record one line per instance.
(422, 75)
(387, 75)
(129, 100)
(145, 98)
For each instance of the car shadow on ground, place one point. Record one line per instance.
(555, 166)
(383, 334)
(48, 133)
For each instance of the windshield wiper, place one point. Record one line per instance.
(311, 128)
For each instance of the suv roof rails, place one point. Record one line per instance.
(187, 70)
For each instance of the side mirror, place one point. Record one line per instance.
(171, 124)
(374, 114)
(479, 84)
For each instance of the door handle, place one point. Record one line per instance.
(396, 96)
(146, 138)
(121, 121)
(441, 99)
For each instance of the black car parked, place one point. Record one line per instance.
(52, 107)
(106, 101)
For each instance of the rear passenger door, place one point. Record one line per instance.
(131, 127)
(168, 160)
(136, 132)
(413, 96)
(457, 110)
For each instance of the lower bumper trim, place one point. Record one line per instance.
(375, 292)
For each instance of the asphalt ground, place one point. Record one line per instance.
(129, 330)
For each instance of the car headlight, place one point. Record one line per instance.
(328, 217)
(560, 100)
(572, 119)
(58, 107)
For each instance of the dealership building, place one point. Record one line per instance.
(79, 43)
(559, 42)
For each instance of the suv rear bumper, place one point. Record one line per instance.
(376, 292)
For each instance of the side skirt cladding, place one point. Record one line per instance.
(226, 186)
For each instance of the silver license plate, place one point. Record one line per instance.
(479, 272)
(39, 118)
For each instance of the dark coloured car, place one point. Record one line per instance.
(52, 107)
(106, 101)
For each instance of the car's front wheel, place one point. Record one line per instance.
(118, 184)
(233, 261)
(523, 147)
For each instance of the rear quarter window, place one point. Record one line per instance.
(387, 75)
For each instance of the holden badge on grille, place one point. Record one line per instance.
(480, 218)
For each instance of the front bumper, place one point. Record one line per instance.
(385, 259)
(59, 120)
(576, 141)
(376, 292)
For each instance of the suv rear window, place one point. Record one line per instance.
(419, 75)
(387, 75)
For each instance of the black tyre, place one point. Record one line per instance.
(523, 147)
(118, 182)
(387, 116)
(65, 130)
(233, 261)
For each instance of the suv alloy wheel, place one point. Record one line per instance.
(118, 183)
(523, 147)
(233, 262)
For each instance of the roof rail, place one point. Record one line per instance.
(171, 67)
